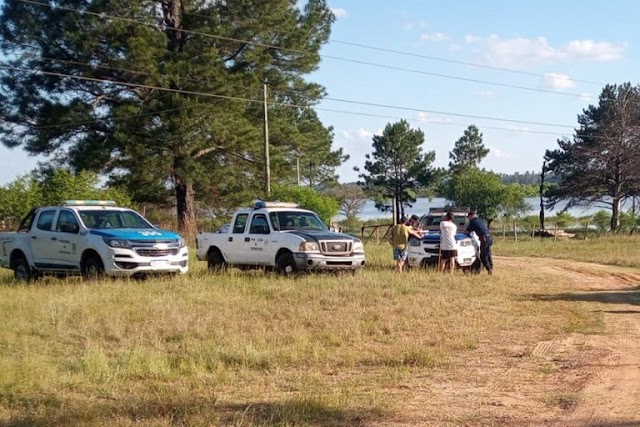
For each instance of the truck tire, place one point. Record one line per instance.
(21, 270)
(286, 265)
(92, 268)
(215, 261)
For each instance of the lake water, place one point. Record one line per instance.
(423, 205)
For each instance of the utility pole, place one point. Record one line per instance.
(298, 169)
(267, 166)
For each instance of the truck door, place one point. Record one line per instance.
(69, 241)
(257, 240)
(235, 245)
(43, 240)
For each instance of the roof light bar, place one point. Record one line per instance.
(258, 204)
(89, 203)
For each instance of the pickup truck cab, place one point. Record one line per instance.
(90, 238)
(426, 251)
(281, 236)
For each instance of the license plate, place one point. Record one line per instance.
(467, 260)
(160, 263)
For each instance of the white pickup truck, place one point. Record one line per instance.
(90, 238)
(281, 236)
(426, 251)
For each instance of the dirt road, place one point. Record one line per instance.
(584, 380)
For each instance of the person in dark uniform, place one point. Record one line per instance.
(486, 240)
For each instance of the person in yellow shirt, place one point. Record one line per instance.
(399, 238)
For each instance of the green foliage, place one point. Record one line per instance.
(326, 207)
(601, 163)
(397, 167)
(53, 187)
(352, 200)
(469, 150)
(483, 191)
(602, 220)
(184, 136)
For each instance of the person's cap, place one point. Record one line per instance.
(471, 213)
(415, 217)
(404, 219)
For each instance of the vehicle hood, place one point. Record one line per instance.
(435, 237)
(136, 234)
(316, 235)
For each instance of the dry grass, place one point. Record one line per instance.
(622, 250)
(253, 349)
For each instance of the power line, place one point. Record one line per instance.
(280, 104)
(453, 61)
(298, 51)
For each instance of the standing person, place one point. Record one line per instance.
(486, 240)
(399, 238)
(448, 250)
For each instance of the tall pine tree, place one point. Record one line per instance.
(165, 96)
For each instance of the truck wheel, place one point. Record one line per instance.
(286, 265)
(92, 268)
(215, 261)
(21, 270)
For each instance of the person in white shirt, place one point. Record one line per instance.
(448, 251)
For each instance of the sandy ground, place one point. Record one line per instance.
(580, 380)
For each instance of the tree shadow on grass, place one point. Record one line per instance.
(194, 411)
(608, 297)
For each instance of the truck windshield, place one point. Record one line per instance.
(100, 219)
(294, 220)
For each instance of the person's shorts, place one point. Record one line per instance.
(448, 254)
(400, 254)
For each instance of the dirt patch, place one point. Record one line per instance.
(579, 380)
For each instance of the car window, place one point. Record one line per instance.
(240, 223)
(67, 221)
(259, 225)
(45, 220)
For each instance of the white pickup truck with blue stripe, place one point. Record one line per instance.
(426, 251)
(90, 238)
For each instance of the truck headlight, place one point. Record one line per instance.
(414, 241)
(358, 246)
(309, 247)
(118, 243)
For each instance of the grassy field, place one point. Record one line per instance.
(254, 349)
(621, 250)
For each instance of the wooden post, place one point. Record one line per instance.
(504, 231)
(515, 232)
(377, 234)
(555, 232)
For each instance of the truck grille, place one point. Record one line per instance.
(155, 248)
(156, 252)
(336, 247)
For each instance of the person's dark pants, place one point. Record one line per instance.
(485, 252)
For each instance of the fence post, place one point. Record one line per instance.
(504, 231)
(377, 234)
(515, 232)
(555, 232)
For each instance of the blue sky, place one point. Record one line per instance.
(564, 51)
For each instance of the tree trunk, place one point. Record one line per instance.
(615, 213)
(185, 206)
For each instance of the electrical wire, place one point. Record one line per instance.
(303, 52)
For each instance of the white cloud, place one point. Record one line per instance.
(498, 153)
(421, 116)
(356, 134)
(555, 81)
(487, 93)
(434, 37)
(521, 52)
(339, 12)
